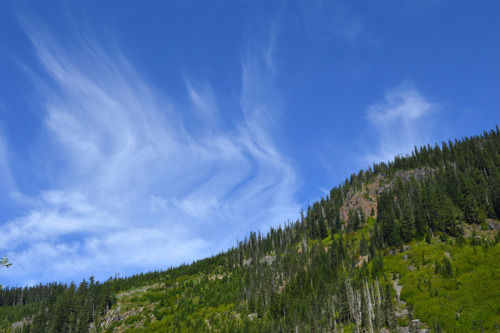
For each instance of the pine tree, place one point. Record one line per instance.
(343, 303)
(323, 232)
(407, 221)
(390, 317)
(365, 320)
(380, 316)
(363, 248)
(386, 218)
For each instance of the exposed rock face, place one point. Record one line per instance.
(366, 197)
(493, 225)
(358, 201)
(362, 259)
(398, 289)
(402, 313)
(111, 316)
(267, 259)
(126, 293)
(415, 324)
(418, 174)
(18, 325)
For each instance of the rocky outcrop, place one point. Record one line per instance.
(18, 325)
(111, 316)
(493, 225)
(265, 260)
(402, 311)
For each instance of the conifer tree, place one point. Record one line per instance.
(343, 302)
(386, 218)
(323, 232)
(390, 316)
(407, 221)
(363, 247)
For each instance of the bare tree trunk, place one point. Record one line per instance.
(353, 303)
(378, 294)
(370, 306)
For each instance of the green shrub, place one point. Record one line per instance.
(132, 319)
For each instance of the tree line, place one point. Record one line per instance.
(304, 275)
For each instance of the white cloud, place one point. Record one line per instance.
(8, 183)
(402, 119)
(203, 100)
(397, 124)
(135, 189)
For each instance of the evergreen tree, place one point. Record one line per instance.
(323, 232)
(343, 303)
(386, 218)
(363, 247)
(407, 221)
(390, 316)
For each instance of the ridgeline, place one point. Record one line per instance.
(405, 246)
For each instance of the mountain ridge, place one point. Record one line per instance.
(425, 222)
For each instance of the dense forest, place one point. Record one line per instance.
(407, 245)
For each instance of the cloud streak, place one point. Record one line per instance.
(398, 123)
(5, 172)
(134, 188)
(327, 19)
(402, 119)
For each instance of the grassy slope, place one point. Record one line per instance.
(460, 303)
(163, 307)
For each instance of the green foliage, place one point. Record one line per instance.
(132, 319)
(446, 269)
(470, 289)
(388, 308)
(428, 238)
(377, 266)
(308, 275)
(363, 246)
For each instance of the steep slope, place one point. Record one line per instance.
(405, 246)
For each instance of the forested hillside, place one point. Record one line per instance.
(408, 245)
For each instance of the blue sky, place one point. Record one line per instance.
(136, 136)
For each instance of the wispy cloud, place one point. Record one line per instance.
(203, 99)
(327, 19)
(134, 188)
(398, 123)
(8, 183)
(394, 125)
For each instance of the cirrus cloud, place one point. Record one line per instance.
(403, 119)
(132, 187)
